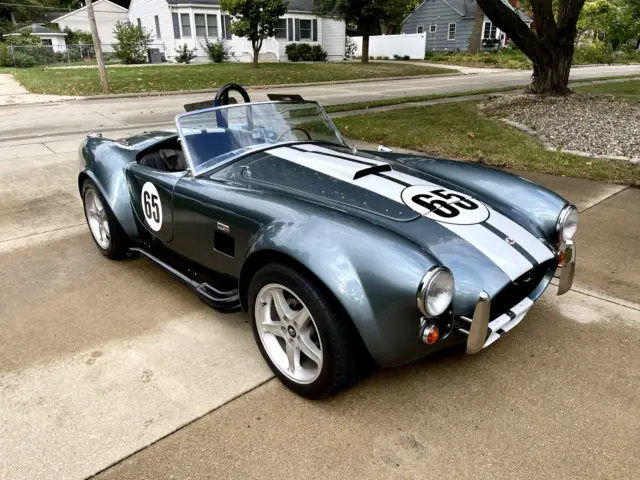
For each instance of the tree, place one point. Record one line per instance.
(476, 34)
(254, 19)
(366, 14)
(549, 45)
(132, 42)
(396, 12)
(77, 37)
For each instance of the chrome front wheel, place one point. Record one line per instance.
(288, 333)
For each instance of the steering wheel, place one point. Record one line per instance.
(291, 130)
(222, 95)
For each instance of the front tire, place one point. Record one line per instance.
(103, 225)
(301, 332)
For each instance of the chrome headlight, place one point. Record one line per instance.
(435, 291)
(567, 223)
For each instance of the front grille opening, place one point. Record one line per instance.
(519, 289)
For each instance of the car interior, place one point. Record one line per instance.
(169, 156)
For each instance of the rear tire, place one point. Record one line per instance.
(305, 338)
(103, 225)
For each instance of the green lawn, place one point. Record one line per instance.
(457, 130)
(628, 89)
(583, 55)
(85, 81)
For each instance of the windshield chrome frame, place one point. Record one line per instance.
(191, 172)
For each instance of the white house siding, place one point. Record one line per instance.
(334, 34)
(107, 15)
(146, 10)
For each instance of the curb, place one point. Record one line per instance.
(263, 87)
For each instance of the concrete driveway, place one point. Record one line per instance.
(100, 360)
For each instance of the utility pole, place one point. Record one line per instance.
(97, 47)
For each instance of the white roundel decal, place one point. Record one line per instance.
(151, 206)
(443, 205)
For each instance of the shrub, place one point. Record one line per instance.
(184, 54)
(599, 52)
(350, 47)
(6, 60)
(77, 37)
(217, 51)
(132, 43)
(24, 60)
(406, 57)
(304, 52)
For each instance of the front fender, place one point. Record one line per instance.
(373, 273)
(104, 163)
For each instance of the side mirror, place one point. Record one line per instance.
(382, 148)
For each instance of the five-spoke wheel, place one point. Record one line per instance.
(302, 333)
(104, 227)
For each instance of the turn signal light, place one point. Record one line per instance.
(430, 335)
(561, 258)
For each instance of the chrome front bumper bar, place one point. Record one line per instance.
(567, 268)
(482, 333)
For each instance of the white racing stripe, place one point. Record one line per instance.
(507, 258)
(523, 237)
(310, 147)
(342, 170)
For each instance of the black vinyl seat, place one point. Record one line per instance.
(166, 159)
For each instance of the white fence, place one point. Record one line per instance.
(412, 44)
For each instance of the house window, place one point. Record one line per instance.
(201, 25)
(452, 32)
(305, 29)
(433, 28)
(157, 26)
(212, 26)
(186, 24)
(420, 29)
(226, 26)
(139, 22)
(490, 30)
(281, 28)
(47, 41)
(176, 25)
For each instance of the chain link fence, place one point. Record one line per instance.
(24, 56)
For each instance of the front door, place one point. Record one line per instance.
(151, 193)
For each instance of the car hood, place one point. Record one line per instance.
(458, 227)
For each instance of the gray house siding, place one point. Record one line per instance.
(437, 12)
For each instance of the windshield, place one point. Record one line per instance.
(218, 134)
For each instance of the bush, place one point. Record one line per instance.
(6, 60)
(406, 57)
(599, 52)
(304, 52)
(24, 60)
(132, 43)
(216, 51)
(77, 37)
(184, 54)
(350, 47)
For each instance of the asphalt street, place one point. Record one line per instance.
(119, 113)
(115, 369)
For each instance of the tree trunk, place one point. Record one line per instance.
(551, 73)
(256, 45)
(365, 45)
(475, 42)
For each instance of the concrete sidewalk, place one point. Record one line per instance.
(12, 93)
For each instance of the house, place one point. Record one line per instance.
(173, 23)
(448, 25)
(107, 15)
(54, 38)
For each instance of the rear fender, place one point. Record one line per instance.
(104, 163)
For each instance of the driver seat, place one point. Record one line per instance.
(166, 159)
